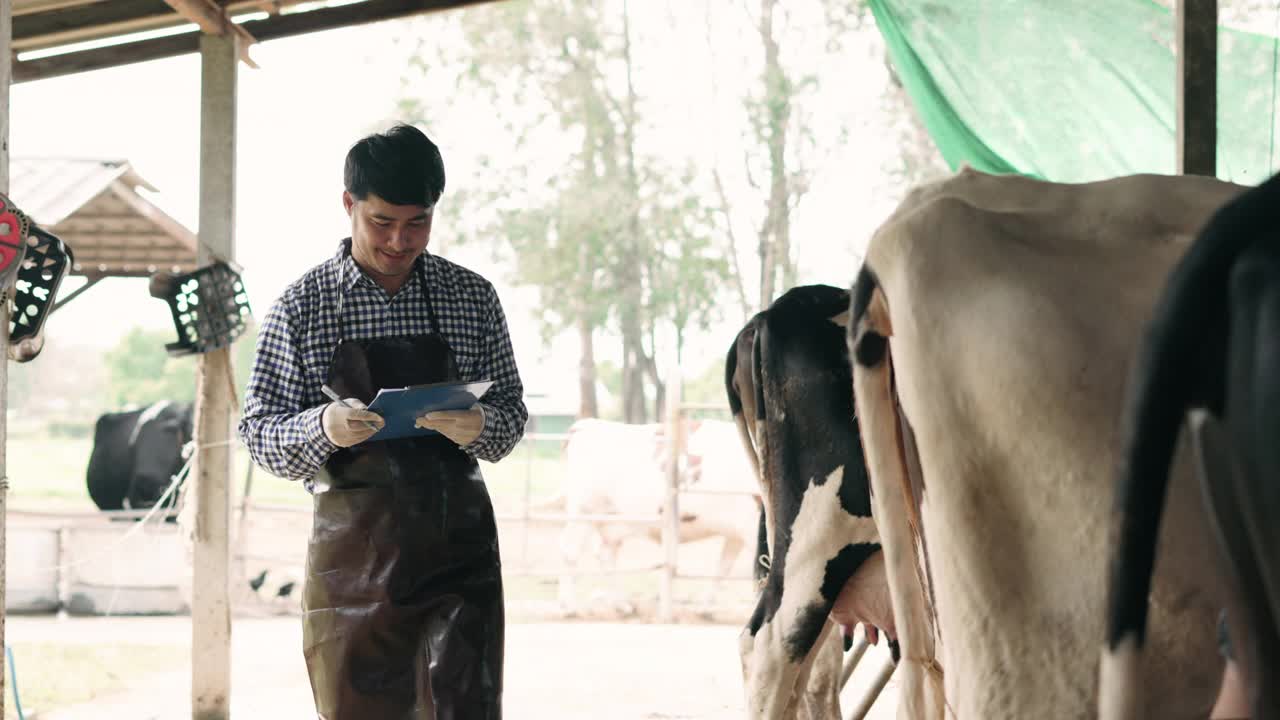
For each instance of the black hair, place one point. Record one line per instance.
(401, 166)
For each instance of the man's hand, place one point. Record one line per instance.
(347, 426)
(460, 426)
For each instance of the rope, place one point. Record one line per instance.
(188, 452)
(173, 483)
(933, 671)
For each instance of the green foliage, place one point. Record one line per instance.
(707, 386)
(140, 372)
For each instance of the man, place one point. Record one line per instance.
(403, 601)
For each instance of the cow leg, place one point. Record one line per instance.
(823, 678)
(572, 537)
(610, 547)
(729, 552)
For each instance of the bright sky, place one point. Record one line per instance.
(315, 95)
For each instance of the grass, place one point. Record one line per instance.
(48, 472)
(54, 675)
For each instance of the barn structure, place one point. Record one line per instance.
(59, 37)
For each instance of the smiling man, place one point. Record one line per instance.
(403, 600)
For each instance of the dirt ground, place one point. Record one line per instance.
(602, 662)
(564, 670)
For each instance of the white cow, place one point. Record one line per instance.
(1002, 314)
(619, 469)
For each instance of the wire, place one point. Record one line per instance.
(174, 482)
(13, 673)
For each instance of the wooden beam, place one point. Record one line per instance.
(38, 6)
(64, 25)
(1197, 47)
(130, 269)
(213, 19)
(271, 28)
(92, 280)
(56, 26)
(125, 239)
(211, 599)
(112, 56)
(6, 67)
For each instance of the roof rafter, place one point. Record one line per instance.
(213, 19)
(275, 26)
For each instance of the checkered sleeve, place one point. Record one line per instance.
(504, 410)
(283, 435)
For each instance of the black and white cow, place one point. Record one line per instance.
(136, 454)
(1212, 344)
(789, 384)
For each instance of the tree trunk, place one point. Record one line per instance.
(587, 406)
(633, 403)
(775, 232)
(635, 409)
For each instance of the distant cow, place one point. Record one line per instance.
(136, 454)
(619, 469)
(790, 388)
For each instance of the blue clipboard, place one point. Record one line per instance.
(401, 407)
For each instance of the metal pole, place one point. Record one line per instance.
(671, 508)
(211, 602)
(1197, 45)
(6, 75)
(873, 692)
(851, 662)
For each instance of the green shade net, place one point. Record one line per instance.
(1073, 90)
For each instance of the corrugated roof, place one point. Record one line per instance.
(94, 206)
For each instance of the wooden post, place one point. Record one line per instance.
(671, 508)
(1197, 43)
(210, 604)
(6, 74)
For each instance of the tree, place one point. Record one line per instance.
(784, 145)
(140, 372)
(781, 153)
(613, 238)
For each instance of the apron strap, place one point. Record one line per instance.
(420, 263)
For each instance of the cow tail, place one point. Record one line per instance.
(759, 564)
(1178, 354)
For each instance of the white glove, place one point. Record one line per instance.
(347, 426)
(460, 426)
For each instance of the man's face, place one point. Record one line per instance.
(386, 238)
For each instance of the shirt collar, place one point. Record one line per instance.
(350, 274)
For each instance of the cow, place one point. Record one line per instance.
(789, 386)
(614, 468)
(993, 322)
(1210, 346)
(136, 454)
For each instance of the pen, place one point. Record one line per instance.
(328, 391)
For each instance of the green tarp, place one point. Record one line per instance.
(1073, 90)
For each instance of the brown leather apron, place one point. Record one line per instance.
(403, 609)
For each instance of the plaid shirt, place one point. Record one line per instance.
(282, 405)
